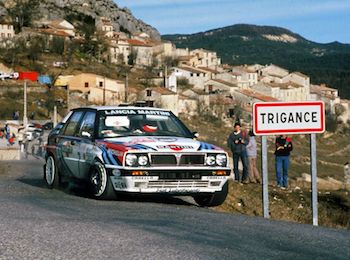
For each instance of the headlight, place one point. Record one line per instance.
(221, 160)
(131, 159)
(143, 160)
(210, 160)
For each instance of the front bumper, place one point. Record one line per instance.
(189, 181)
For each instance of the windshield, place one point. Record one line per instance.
(118, 123)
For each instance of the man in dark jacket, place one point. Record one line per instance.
(283, 148)
(237, 142)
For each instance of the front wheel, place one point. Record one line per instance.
(51, 175)
(212, 200)
(100, 185)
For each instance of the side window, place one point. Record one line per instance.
(87, 125)
(72, 123)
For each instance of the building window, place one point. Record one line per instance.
(150, 103)
(191, 74)
(101, 84)
(86, 84)
(149, 93)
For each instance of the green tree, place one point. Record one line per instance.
(22, 12)
(132, 57)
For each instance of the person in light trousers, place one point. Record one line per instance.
(254, 174)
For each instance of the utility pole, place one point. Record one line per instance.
(68, 99)
(166, 83)
(104, 91)
(126, 87)
(25, 118)
(55, 115)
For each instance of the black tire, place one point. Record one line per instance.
(51, 174)
(212, 200)
(100, 185)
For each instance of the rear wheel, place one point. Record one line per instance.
(100, 184)
(51, 175)
(212, 200)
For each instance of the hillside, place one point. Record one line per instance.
(121, 18)
(249, 44)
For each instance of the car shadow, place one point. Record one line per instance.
(77, 189)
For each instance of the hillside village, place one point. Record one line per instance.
(186, 81)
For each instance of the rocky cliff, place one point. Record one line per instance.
(122, 19)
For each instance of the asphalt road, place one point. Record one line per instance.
(37, 223)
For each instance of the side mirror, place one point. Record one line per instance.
(195, 134)
(85, 134)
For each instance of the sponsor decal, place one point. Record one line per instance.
(139, 140)
(166, 139)
(175, 147)
(136, 112)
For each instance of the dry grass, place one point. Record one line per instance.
(289, 205)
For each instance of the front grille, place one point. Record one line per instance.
(172, 175)
(192, 159)
(178, 159)
(163, 159)
(178, 184)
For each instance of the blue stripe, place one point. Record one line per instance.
(110, 156)
(104, 154)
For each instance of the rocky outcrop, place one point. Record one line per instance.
(121, 18)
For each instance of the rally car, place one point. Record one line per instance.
(135, 150)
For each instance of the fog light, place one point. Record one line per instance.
(139, 173)
(215, 183)
(116, 172)
(220, 173)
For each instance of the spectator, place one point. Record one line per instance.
(254, 175)
(12, 139)
(7, 132)
(237, 142)
(283, 148)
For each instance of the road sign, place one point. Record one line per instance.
(289, 118)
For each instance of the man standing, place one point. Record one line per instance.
(237, 142)
(283, 148)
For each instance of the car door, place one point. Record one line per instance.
(86, 146)
(69, 144)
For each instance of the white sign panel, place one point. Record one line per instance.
(289, 118)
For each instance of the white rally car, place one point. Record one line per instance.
(135, 150)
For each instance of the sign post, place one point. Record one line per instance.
(314, 180)
(276, 118)
(265, 179)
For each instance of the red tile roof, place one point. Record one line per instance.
(137, 43)
(209, 70)
(284, 85)
(225, 83)
(163, 91)
(192, 69)
(257, 95)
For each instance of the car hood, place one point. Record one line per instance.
(158, 143)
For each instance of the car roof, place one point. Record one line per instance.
(99, 108)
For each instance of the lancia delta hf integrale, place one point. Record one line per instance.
(135, 150)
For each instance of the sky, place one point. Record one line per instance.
(321, 21)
